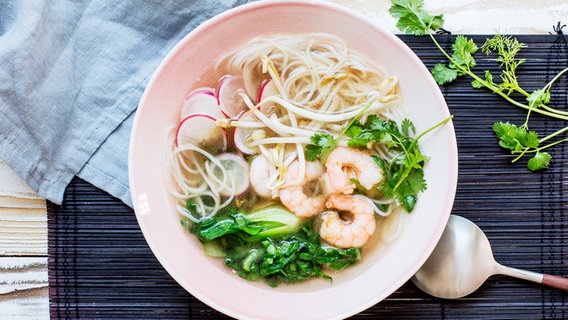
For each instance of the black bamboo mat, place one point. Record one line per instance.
(100, 266)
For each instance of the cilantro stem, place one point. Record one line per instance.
(552, 114)
(561, 131)
(548, 86)
(403, 178)
(487, 84)
(535, 150)
(520, 155)
(413, 19)
(556, 111)
(548, 112)
(531, 108)
(324, 155)
(413, 144)
(522, 91)
(560, 74)
(538, 149)
(552, 144)
(439, 124)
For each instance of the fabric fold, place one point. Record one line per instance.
(72, 75)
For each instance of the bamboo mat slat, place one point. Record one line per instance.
(101, 267)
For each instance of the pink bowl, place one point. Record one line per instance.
(383, 269)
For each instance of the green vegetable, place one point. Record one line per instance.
(539, 161)
(213, 249)
(404, 176)
(461, 62)
(507, 49)
(521, 141)
(263, 223)
(413, 19)
(270, 244)
(290, 259)
(322, 144)
(275, 221)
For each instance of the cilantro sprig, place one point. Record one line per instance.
(520, 141)
(404, 176)
(413, 19)
(461, 62)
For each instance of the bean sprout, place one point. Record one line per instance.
(320, 86)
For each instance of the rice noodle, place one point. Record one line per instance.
(393, 229)
(321, 85)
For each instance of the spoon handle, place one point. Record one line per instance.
(519, 273)
(555, 282)
(545, 279)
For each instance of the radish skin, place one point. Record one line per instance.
(201, 130)
(201, 101)
(266, 89)
(230, 102)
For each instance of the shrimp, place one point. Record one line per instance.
(294, 196)
(261, 171)
(352, 233)
(344, 163)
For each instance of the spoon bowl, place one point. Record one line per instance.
(463, 260)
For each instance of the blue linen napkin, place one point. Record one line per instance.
(71, 76)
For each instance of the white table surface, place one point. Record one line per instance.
(23, 218)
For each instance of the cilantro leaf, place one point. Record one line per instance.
(407, 127)
(515, 138)
(463, 51)
(407, 192)
(413, 19)
(488, 79)
(360, 137)
(541, 160)
(443, 74)
(322, 144)
(539, 97)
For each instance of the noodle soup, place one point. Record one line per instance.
(189, 66)
(288, 165)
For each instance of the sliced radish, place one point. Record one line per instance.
(230, 102)
(241, 134)
(266, 89)
(203, 101)
(201, 130)
(238, 170)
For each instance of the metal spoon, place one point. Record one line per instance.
(462, 261)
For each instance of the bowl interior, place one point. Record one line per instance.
(383, 269)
